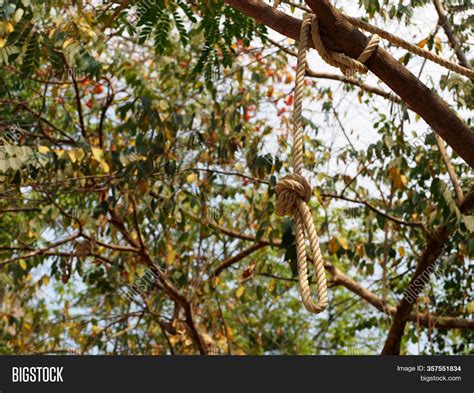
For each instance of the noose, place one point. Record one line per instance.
(294, 191)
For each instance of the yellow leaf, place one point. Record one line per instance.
(45, 280)
(399, 181)
(96, 329)
(470, 307)
(59, 152)
(43, 149)
(18, 15)
(79, 154)
(105, 167)
(423, 42)
(68, 42)
(22, 264)
(9, 27)
(343, 242)
(240, 291)
(333, 246)
(72, 156)
(401, 251)
(168, 135)
(215, 282)
(170, 257)
(360, 250)
(3, 42)
(191, 178)
(271, 285)
(97, 154)
(438, 45)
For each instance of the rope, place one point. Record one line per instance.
(294, 192)
(401, 43)
(347, 65)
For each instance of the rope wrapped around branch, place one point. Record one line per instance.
(347, 64)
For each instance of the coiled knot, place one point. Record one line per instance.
(289, 190)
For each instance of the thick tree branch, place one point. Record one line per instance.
(419, 280)
(339, 278)
(340, 36)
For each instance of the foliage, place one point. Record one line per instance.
(152, 138)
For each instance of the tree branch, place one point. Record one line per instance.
(339, 278)
(450, 169)
(236, 258)
(453, 40)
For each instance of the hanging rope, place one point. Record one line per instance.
(294, 192)
(401, 43)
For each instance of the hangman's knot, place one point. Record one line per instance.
(289, 190)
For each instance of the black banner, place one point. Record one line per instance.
(221, 374)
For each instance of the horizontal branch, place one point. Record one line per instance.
(236, 258)
(374, 209)
(339, 278)
(42, 250)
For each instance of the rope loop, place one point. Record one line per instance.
(347, 65)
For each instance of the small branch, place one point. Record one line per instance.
(236, 258)
(450, 168)
(374, 209)
(42, 250)
(123, 4)
(453, 40)
(108, 103)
